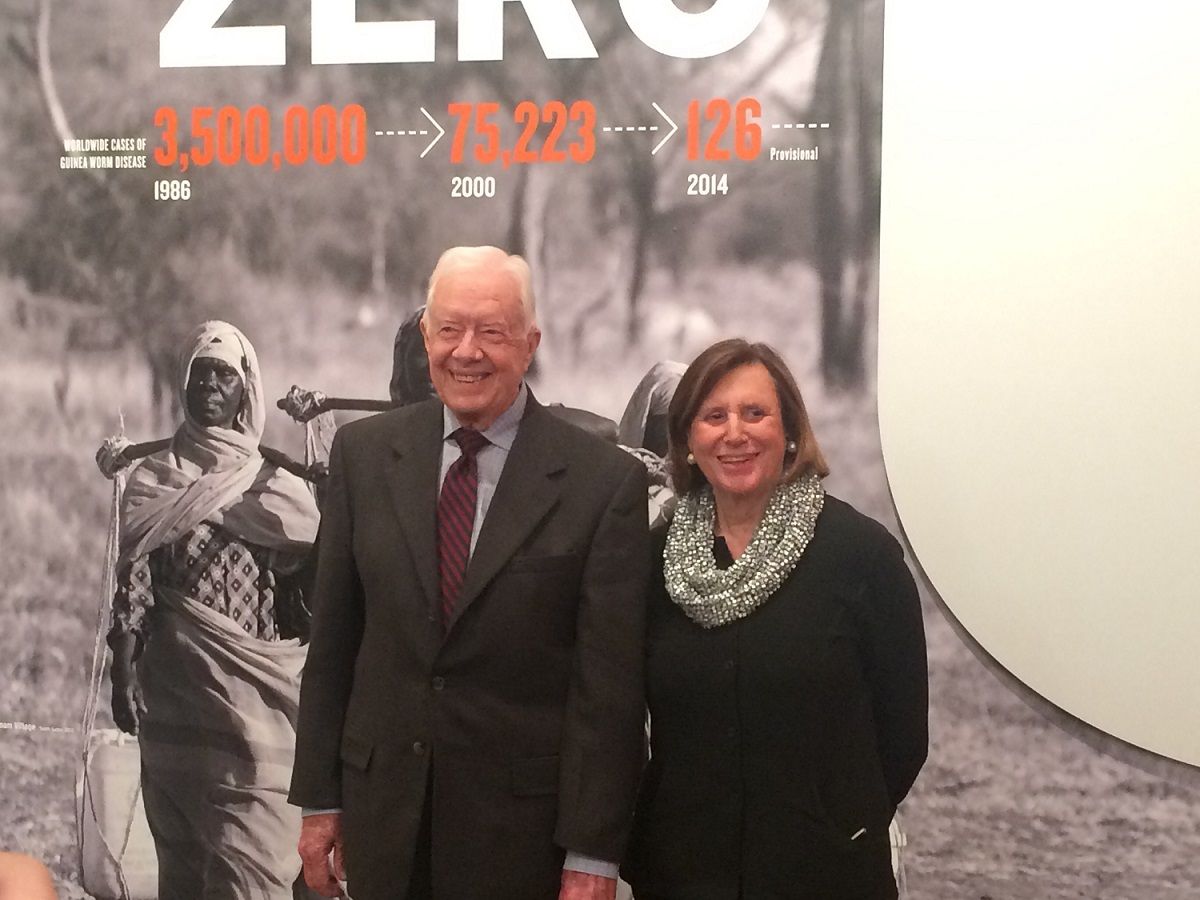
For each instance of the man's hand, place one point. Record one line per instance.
(581, 886)
(321, 833)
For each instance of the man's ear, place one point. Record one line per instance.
(535, 338)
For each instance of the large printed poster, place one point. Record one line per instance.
(675, 172)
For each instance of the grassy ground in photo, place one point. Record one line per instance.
(1009, 807)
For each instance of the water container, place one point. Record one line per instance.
(115, 847)
(898, 840)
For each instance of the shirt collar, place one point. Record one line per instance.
(503, 431)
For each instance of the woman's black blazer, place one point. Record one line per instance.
(782, 743)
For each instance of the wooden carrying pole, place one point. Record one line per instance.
(329, 404)
(275, 457)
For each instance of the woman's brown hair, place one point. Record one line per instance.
(698, 382)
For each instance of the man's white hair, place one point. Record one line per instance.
(458, 259)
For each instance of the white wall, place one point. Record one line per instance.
(1039, 347)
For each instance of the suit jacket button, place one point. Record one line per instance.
(438, 682)
(418, 748)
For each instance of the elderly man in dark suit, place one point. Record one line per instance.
(471, 714)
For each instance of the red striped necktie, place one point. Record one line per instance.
(456, 517)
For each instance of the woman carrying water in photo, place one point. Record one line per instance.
(206, 636)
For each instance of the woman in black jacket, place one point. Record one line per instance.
(786, 670)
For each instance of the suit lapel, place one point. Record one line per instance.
(528, 489)
(412, 478)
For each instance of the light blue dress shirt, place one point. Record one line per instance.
(491, 457)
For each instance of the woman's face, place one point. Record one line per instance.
(214, 392)
(737, 435)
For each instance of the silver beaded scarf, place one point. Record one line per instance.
(711, 596)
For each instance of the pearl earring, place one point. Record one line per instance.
(791, 446)
(691, 458)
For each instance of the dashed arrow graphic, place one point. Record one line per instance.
(441, 131)
(670, 134)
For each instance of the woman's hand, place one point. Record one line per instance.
(110, 457)
(128, 707)
(302, 405)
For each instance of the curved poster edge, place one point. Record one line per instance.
(1114, 747)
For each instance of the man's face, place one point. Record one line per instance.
(478, 343)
